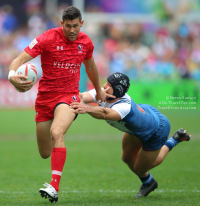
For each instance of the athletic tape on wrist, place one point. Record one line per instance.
(11, 73)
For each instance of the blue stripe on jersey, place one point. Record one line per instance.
(126, 99)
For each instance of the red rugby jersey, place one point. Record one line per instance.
(60, 59)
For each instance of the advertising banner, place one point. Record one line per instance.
(185, 93)
(177, 94)
(10, 97)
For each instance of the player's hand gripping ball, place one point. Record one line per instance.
(28, 70)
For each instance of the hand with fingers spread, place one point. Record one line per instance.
(20, 83)
(107, 95)
(80, 107)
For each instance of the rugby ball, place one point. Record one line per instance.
(28, 70)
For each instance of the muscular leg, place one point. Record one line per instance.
(139, 161)
(131, 155)
(179, 136)
(145, 162)
(161, 156)
(131, 146)
(63, 117)
(44, 138)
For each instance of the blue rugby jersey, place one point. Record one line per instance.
(140, 120)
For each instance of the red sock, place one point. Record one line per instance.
(58, 158)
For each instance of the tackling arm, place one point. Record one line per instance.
(86, 97)
(104, 113)
(96, 112)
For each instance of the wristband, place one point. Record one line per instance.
(11, 73)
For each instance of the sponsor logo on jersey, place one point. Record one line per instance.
(33, 43)
(60, 47)
(73, 68)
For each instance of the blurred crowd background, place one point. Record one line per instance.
(166, 46)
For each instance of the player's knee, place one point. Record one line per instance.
(55, 133)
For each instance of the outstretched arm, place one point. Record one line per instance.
(96, 111)
(86, 97)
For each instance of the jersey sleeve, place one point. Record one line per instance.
(93, 94)
(90, 51)
(123, 109)
(37, 46)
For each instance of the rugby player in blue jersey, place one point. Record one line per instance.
(146, 130)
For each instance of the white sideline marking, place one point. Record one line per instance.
(105, 191)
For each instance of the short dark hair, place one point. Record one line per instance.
(71, 13)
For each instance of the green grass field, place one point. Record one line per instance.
(94, 173)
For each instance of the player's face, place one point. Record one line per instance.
(71, 28)
(108, 86)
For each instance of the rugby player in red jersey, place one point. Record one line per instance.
(62, 51)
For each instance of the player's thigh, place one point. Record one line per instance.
(63, 117)
(145, 161)
(44, 138)
(131, 146)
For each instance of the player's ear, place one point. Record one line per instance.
(61, 22)
(82, 22)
